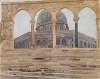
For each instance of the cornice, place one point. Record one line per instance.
(46, 1)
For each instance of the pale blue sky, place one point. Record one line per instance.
(22, 23)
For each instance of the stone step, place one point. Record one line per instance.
(47, 75)
(60, 63)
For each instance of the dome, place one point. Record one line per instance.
(61, 18)
(44, 21)
(44, 17)
(62, 24)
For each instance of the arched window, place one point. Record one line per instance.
(87, 25)
(22, 30)
(43, 28)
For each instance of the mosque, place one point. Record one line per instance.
(64, 36)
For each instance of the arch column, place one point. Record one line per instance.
(0, 33)
(33, 24)
(53, 29)
(7, 33)
(98, 32)
(98, 25)
(76, 19)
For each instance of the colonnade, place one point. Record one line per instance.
(9, 11)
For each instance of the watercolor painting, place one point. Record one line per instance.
(49, 39)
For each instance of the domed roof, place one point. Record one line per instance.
(62, 24)
(61, 18)
(43, 17)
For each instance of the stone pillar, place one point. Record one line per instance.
(0, 33)
(98, 25)
(54, 29)
(7, 34)
(98, 32)
(33, 24)
(76, 18)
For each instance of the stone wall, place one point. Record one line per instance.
(50, 64)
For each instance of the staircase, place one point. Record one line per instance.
(50, 64)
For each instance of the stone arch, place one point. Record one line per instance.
(67, 8)
(62, 20)
(42, 27)
(94, 9)
(90, 8)
(22, 30)
(38, 14)
(17, 9)
(88, 20)
(63, 15)
(67, 11)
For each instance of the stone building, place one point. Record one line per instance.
(65, 38)
(24, 41)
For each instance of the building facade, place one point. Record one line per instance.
(65, 38)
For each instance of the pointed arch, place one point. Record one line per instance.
(42, 17)
(87, 26)
(43, 28)
(22, 30)
(64, 27)
(69, 17)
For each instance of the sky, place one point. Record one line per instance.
(87, 24)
